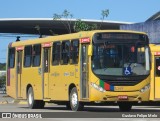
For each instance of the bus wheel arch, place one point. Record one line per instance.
(32, 103)
(30, 97)
(27, 88)
(74, 103)
(71, 86)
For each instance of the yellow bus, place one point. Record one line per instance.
(91, 67)
(155, 73)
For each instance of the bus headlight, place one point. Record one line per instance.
(97, 87)
(145, 88)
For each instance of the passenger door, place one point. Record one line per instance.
(46, 69)
(157, 77)
(84, 71)
(19, 51)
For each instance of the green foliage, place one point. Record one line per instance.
(82, 26)
(37, 27)
(68, 16)
(65, 14)
(104, 13)
(79, 25)
(56, 16)
(2, 80)
(2, 66)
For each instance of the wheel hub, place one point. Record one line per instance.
(30, 98)
(74, 99)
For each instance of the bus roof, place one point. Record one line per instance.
(155, 47)
(81, 34)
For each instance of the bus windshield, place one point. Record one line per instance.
(120, 57)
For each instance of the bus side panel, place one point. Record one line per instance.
(57, 88)
(32, 76)
(60, 80)
(11, 82)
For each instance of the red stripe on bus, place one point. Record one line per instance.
(157, 53)
(106, 86)
(48, 44)
(19, 48)
(85, 40)
(8, 77)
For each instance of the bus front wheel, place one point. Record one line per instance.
(75, 105)
(32, 103)
(125, 106)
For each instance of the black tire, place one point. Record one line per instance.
(68, 106)
(32, 103)
(41, 104)
(126, 107)
(75, 105)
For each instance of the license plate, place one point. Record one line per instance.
(123, 97)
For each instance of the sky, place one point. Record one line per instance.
(119, 10)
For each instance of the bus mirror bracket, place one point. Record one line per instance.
(90, 50)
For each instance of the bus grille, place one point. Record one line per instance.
(123, 82)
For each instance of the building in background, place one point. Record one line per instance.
(151, 26)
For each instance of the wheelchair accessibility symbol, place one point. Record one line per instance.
(127, 71)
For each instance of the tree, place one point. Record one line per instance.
(104, 14)
(2, 80)
(2, 77)
(68, 16)
(82, 26)
(79, 25)
(37, 27)
(2, 66)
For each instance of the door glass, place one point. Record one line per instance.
(19, 63)
(157, 66)
(46, 60)
(84, 72)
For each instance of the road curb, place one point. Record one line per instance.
(19, 102)
(4, 102)
(23, 102)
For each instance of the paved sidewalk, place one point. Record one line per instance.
(5, 99)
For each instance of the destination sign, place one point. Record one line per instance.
(123, 36)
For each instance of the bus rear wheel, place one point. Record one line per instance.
(32, 103)
(75, 105)
(124, 106)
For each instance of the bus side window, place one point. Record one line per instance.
(56, 53)
(27, 56)
(65, 52)
(74, 51)
(158, 66)
(36, 55)
(11, 57)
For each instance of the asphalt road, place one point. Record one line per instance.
(90, 113)
(59, 113)
(61, 108)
